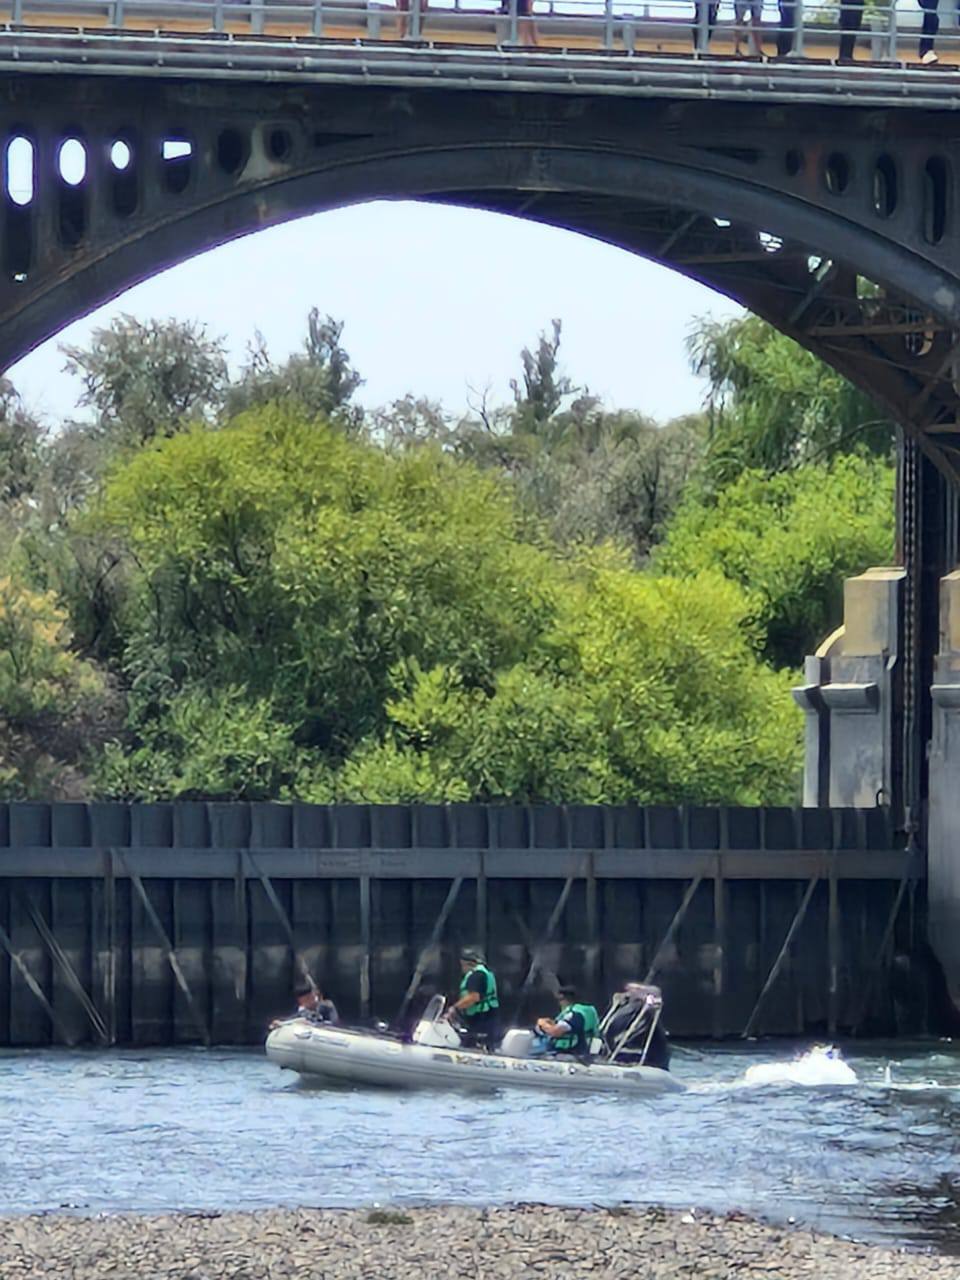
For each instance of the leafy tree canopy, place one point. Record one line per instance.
(397, 620)
(320, 379)
(789, 540)
(644, 689)
(255, 589)
(281, 557)
(145, 380)
(773, 406)
(54, 706)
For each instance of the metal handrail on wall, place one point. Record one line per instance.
(821, 30)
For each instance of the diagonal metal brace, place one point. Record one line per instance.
(674, 925)
(61, 958)
(34, 985)
(536, 959)
(170, 952)
(430, 947)
(283, 918)
(774, 973)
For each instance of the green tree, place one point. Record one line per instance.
(21, 446)
(613, 476)
(772, 405)
(319, 380)
(587, 473)
(789, 540)
(54, 707)
(543, 387)
(208, 744)
(280, 557)
(147, 380)
(645, 690)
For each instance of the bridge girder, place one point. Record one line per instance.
(836, 224)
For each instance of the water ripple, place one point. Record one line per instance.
(188, 1129)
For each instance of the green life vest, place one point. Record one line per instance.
(486, 1002)
(591, 1027)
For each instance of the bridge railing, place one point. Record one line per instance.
(803, 29)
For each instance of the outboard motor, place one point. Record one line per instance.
(517, 1043)
(433, 1030)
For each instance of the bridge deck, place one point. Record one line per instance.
(576, 43)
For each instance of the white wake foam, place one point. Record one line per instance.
(821, 1065)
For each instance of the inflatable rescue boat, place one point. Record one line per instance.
(435, 1059)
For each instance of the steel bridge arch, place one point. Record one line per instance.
(691, 186)
(588, 188)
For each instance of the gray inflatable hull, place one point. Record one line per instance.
(356, 1057)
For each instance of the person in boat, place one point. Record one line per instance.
(477, 1006)
(572, 1030)
(312, 1006)
(638, 1017)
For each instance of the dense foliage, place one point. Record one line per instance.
(250, 587)
(789, 540)
(773, 406)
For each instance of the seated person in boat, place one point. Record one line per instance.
(638, 1017)
(312, 1006)
(573, 1028)
(477, 1007)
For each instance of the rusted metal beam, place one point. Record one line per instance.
(863, 329)
(640, 863)
(111, 956)
(365, 943)
(592, 956)
(536, 959)
(719, 946)
(833, 954)
(774, 973)
(481, 910)
(241, 932)
(677, 234)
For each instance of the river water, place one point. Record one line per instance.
(94, 1131)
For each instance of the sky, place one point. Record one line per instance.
(437, 301)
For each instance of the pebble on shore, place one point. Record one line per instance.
(436, 1243)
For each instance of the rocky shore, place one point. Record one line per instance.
(436, 1243)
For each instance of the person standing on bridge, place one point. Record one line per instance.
(706, 11)
(526, 27)
(931, 25)
(748, 20)
(851, 20)
(405, 7)
(787, 32)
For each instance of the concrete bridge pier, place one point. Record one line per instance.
(854, 697)
(943, 824)
(850, 697)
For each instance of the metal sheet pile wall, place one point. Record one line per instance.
(164, 924)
